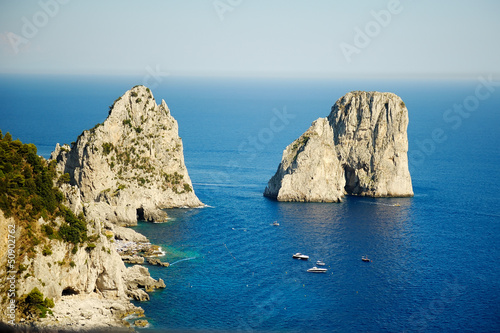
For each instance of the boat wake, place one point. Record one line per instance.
(168, 219)
(190, 258)
(380, 204)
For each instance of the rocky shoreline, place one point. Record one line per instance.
(135, 248)
(128, 168)
(90, 312)
(100, 311)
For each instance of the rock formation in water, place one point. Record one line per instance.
(66, 263)
(359, 149)
(129, 167)
(88, 282)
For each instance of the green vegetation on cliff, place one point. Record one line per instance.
(27, 192)
(26, 186)
(34, 304)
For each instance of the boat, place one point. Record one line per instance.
(397, 205)
(365, 259)
(320, 263)
(300, 256)
(317, 270)
(276, 223)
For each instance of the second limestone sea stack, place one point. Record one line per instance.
(359, 149)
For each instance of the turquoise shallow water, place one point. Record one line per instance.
(433, 265)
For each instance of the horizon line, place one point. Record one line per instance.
(267, 75)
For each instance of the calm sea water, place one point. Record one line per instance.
(434, 257)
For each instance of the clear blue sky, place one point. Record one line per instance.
(250, 37)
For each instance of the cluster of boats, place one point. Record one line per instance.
(314, 269)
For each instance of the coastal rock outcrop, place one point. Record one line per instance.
(359, 149)
(91, 313)
(129, 167)
(64, 217)
(89, 283)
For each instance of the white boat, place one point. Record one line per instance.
(276, 223)
(365, 259)
(320, 263)
(300, 256)
(317, 270)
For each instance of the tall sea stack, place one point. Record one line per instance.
(359, 149)
(129, 167)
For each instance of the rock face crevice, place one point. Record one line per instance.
(133, 162)
(359, 149)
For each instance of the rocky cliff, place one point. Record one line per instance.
(129, 167)
(359, 149)
(88, 282)
(65, 264)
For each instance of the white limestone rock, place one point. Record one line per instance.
(137, 277)
(127, 234)
(309, 170)
(130, 166)
(89, 313)
(359, 149)
(91, 287)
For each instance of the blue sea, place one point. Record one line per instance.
(434, 256)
